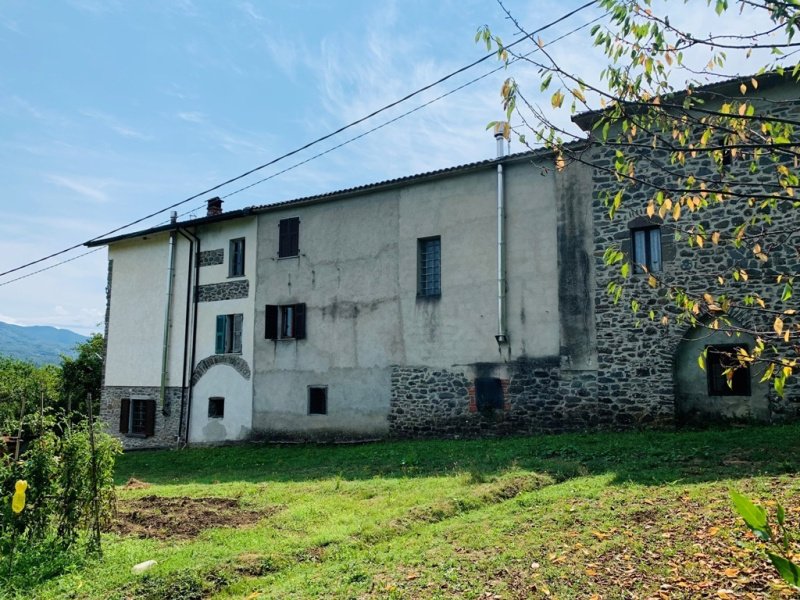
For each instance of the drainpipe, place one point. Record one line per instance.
(502, 333)
(167, 312)
(194, 339)
(186, 327)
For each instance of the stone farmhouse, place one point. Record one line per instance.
(466, 301)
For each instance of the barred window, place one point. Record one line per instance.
(429, 267)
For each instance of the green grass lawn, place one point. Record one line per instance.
(633, 515)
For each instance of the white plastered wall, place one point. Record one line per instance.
(222, 380)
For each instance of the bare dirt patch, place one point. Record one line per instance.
(181, 518)
(135, 484)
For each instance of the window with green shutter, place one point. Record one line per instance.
(228, 338)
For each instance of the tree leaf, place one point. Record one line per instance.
(754, 516)
(788, 571)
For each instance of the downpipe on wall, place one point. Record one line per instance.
(502, 331)
(167, 317)
(187, 327)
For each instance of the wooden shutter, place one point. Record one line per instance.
(236, 345)
(149, 418)
(299, 321)
(219, 347)
(288, 237)
(271, 318)
(124, 415)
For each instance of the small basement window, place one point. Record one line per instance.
(488, 393)
(718, 360)
(137, 417)
(317, 400)
(216, 407)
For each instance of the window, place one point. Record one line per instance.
(429, 267)
(216, 407)
(288, 237)
(137, 417)
(236, 262)
(229, 334)
(287, 321)
(488, 393)
(720, 358)
(646, 244)
(317, 400)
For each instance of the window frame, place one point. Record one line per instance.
(489, 393)
(717, 384)
(236, 258)
(289, 237)
(317, 388)
(218, 402)
(228, 338)
(277, 325)
(128, 408)
(429, 269)
(653, 262)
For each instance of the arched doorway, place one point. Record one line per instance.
(705, 396)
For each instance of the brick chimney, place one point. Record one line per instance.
(214, 207)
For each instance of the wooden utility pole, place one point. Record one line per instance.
(95, 500)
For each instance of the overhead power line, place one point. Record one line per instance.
(305, 146)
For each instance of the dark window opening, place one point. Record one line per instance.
(288, 237)
(229, 334)
(488, 393)
(216, 407)
(285, 322)
(646, 245)
(718, 360)
(137, 417)
(727, 157)
(236, 262)
(317, 400)
(429, 267)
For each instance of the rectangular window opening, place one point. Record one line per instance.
(216, 407)
(317, 400)
(429, 267)
(137, 417)
(646, 245)
(236, 258)
(488, 393)
(719, 359)
(285, 321)
(229, 334)
(289, 237)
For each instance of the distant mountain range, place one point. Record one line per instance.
(39, 344)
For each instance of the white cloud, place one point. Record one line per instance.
(89, 188)
(116, 125)
(192, 116)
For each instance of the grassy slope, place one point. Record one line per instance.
(572, 516)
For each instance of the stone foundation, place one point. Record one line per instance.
(539, 397)
(166, 426)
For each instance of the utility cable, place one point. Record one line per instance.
(303, 147)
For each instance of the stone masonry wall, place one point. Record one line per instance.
(636, 355)
(212, 257)
(227, 290)
(166, 428)
(538, 397)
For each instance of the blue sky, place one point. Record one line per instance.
(112, 109)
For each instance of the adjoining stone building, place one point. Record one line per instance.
(466, 301)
